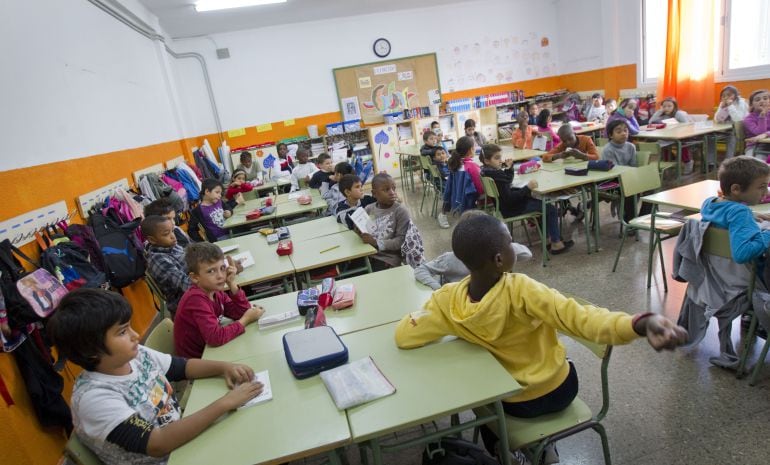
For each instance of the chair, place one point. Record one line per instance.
(438, 185)
(602, 141)
(427, 182)
(632, 183)
(161, 338)
(79, 453)
(250, 195)
(491, 193)
(654, 148)
(740, 138)
(610, 191)
(534, 434)
(157, 295)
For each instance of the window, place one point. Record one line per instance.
(747, 36)
(741, 39)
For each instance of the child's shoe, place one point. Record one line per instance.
(442, 221)
(517, 456)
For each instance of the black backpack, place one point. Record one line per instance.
(20, 313)
(69, 263)
(123, 257)
(454, 451)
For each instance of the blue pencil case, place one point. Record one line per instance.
(311, 351)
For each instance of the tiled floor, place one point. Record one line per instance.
(666, 408)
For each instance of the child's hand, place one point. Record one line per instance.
(251, 315)
(231, 271)
(662, 333)
(227, 214)
(508, 163)
(368, 239)
(241, 394)
(532, 184)
(762, 216)
(239, 199)
(236, 374)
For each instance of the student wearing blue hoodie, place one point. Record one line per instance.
(743, 181)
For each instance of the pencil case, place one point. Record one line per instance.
(267, 210)
(285, 248)
(283, 233)
(304, 200)
(600, 165)
(656, 125)
(344, 296)
(576, 171)
(307, 299)
(529, 167)
(311, 351)
(254, 215)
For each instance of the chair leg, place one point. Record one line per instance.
(620, 249)
(537, 453)
(526, 232)
(747, 343)
(605, 443)
(662, 265)
(759, 364)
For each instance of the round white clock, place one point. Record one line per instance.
(381, 47)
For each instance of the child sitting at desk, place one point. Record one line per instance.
(670, 109)
(732, 108)
(596, 111)
(197, 318)
(621, 152)
(211, 212)
(163, 207)
(287, 163)
(757, 122)
(435, 127)
(743, 181)
(351, 187)
(303, 170)
(580, 147)
(253, 170)
(325, 170)
(330, 191)
(626, 113)
(123, 403)
(165, 259)
(544, 129)
(532, 111)
(391, 224)
(470, 131)
(514, 202)
(522, 135)
(429, 144)
(517, 319)
(238, 185)
(447, 268)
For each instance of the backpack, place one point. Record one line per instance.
(69, 263)
(161, 190)
(117, 242)
(83, 235)
(412, 249)
(455, 451)
(20, 312)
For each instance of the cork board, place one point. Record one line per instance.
(370, 90)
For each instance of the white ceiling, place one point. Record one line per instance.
(178, 18)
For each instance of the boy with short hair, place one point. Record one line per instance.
(163, 207)
(303, 170)
(622, 152)
(165, 259)
(253, 170)
(331, 191)
(123, 403)
(743, 181)
(580, 147)
(517, 318)
(325, 170)
(429, 144)
(391, 221)
(351, 187)
(197, 322)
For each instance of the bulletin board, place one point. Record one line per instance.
(370, 90)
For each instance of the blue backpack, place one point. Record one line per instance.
(123, 255)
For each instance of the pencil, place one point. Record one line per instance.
(330, 248)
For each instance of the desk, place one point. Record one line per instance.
(276, 431)
(283, 208)
(316, 228)
(592, 129)
(268, 265)
(431, 382)
(381, 298)
(273, 184)
(330, 250)
(680, 132)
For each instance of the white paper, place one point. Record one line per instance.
(339, 155)
(267, 393)
(670, 121)
(297, 194)
(245, 258)
(350, 108)
(269, 321)
(539, 143)
(356, 383)
(362, 221)
(229, 248)
(434, 96)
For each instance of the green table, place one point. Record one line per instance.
(316, 228)
(275, 431)
(268, 265)
(284, 208)
(331, 250)
(381, 298)
(273, 184)
(431, 382)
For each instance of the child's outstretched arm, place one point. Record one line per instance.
(661, 333)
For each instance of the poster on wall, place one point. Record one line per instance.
(350, 109)
(393, 89)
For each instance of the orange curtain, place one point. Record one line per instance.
(688, 73)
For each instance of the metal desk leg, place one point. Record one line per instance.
(368, 265)
(585, 219)
(597, 220)
(503, 433)
(334, 457)
(543, 230)
(376, 451)
(651, 251)
(678, 160)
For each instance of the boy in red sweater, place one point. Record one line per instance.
(197, 317)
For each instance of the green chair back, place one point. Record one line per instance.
(602, 141)
(740, 137)
(250, 195)
(79, 453)
(651, 147)
(716, 241)
(425, 162)
(161, 338)
(643, 179)
(642, 158)
(491, 193)
(157, 294)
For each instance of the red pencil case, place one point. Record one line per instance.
(254, 215)
(285, 248)
(656, 125)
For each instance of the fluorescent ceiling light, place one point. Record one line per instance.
(211, 5)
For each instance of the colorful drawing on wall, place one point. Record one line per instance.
(393, 88)
(386, 99)
(385, 145)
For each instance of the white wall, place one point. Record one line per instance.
(285, 71)
(76, 83)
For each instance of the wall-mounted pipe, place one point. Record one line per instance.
(127, 17)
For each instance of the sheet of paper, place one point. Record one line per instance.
(539, 143)
(269, 321)
(229, 248)
(245, 258)
(350, 108)
(267, 393)
(356, 383)
(236, 132)
(362, 221)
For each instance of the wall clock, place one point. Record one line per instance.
(381, 47)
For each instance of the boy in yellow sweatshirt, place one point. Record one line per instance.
(517, 318)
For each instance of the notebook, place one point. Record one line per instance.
(229, 248)
(267, 393)
(356, 383)
(269, 321)
(245, 258)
